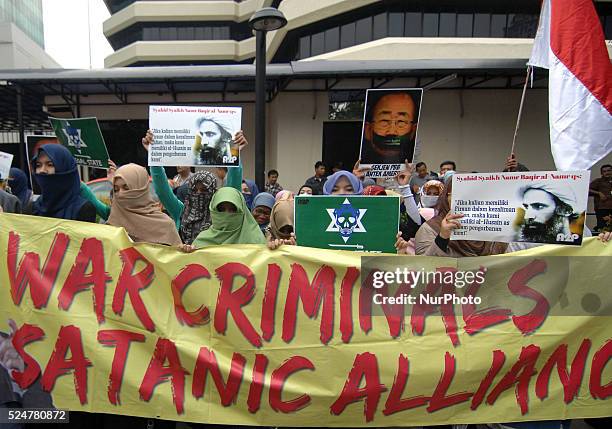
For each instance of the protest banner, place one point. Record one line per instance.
(347, 222)
(33, 143)
(240, 335)
(389, 131)
(83, 138)
(6, 160)
(194, 135)
(546, 207)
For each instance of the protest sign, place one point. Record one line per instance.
(347, 222)
(243, 335)
(389, 131)
(546, 207)
(192, 135)
(83, 138)
(6, 159)
(33, 143)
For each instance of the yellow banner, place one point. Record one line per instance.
(243, 335)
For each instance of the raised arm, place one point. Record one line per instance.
(234, 174)
(171, 203)
(101, 209)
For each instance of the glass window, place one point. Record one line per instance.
(151, 33)
(448, 25)
(199, 33)
(317, 44)
(172, 33)
(363, 30)
(347, 35)
(380, 26)
(396, 24)
(498, 25)
(332, 39)
(413, 26)
(430, 25)
(208, 33)
(304, 47)
(164, 33)
(608, 27)
(217, 33)
(464, 24)
(482, 25)
(186, 33)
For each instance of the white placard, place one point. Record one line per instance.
(6, 160)
(546, 207)
(194, 135)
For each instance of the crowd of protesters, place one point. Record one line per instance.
(210, 208)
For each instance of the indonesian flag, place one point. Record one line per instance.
(570, 43)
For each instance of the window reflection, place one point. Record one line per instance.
(421, 24)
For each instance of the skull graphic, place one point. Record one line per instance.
(345, 218)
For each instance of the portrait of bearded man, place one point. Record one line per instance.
(549, 214)
(213, 144)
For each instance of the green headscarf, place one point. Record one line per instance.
(230, 228)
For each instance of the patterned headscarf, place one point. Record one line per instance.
(374, 190)
(196, 214)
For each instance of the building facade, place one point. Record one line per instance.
(22, 39)
(27, 15)
(468, 117)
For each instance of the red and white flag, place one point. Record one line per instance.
(570, 43)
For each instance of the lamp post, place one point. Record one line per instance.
(262, 21)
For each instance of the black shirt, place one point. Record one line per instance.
(87, 213)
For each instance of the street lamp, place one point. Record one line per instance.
(262, 21)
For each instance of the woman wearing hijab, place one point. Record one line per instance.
(374, 190)
(284, 195)
(18, 181)
(343, 183)
(196, 213)
(249, 192)
(262, 209)
(433, 238)
(56, 173)
(134, 209)
(281, 229)
(175, 204)
(307, 190)
(428, 197)
(231, 222)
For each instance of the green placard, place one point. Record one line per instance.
(83, 138)
(346, 222)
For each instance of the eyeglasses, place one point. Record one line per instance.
(400, 124)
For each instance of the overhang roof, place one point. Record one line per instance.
(319, 75)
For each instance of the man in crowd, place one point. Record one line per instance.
(390, 130)
(272, 185)
(183, 175)
(601, 189)
(447, 166)
(9, 203)
(420, 176)
(548, 212)
(316, 182)
(11, 395)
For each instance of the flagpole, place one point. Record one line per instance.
(520, 112)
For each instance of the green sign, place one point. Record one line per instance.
(346, 222)
(83, 138)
